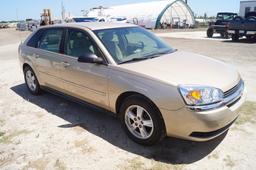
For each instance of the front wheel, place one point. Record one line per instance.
(142, 121)
(210, 32)
(31, 81)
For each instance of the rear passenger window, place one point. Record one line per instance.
(51, 40)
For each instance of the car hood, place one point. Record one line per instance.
(187, 69)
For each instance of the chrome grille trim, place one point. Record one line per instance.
(233, 90)
(234, 93)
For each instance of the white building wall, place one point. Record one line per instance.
(247, 4)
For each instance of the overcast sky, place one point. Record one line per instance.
(22, 9)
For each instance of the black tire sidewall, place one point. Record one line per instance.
(38, 90)
(159, 128)
(210, 33)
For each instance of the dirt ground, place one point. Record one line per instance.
(50, 132)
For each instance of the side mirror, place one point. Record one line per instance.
(90, 58)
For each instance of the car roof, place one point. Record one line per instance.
(93, 25)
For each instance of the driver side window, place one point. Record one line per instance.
(79, 43)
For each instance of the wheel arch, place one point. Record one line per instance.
(26, 65)
(30, 65)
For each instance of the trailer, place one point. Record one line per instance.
(246, 7)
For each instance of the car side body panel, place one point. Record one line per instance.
(26, 57)
(85, 81)
(122, 81)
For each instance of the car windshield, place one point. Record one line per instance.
(132, 44)
(226, 16)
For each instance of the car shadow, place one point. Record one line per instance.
(106, 126)
(243, 40)
(217, 38)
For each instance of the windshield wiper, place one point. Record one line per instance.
(161, 53)
(135, 59)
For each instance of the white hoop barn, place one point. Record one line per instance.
(154, 14)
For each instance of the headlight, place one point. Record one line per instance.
(200, 95)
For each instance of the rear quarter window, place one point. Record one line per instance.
(51, 40)
(33, 41)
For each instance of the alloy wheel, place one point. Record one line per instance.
(139, 122)
(31, 80)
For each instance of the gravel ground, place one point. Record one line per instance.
(49, 132)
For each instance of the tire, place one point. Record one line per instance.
(154, 131)
(210, 32)
(31, 81)
(235, 37)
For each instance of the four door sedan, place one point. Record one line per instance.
(156, 91)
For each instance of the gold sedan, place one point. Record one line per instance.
(156, 91)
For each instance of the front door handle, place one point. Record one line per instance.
(65, 64)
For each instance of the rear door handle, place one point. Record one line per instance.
(65, 64)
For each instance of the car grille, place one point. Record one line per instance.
(233, 90)
(234, 94)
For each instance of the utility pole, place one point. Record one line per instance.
(63, 11)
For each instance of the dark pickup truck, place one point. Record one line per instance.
(221, 24)
(240, 27)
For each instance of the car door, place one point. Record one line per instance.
(87, 81)
(48, 59)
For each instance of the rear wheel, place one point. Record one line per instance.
(31, 81)
(142, 121)
(210, 32)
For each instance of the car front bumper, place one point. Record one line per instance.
(220, 28)
(201, 126)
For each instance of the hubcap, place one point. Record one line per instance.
(31, 80)
(139, 122)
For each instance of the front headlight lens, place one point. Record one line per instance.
(200, 95)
